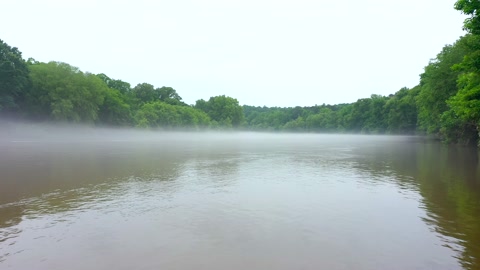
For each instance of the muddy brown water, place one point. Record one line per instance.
(237, 201)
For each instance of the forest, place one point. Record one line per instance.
(445, 104)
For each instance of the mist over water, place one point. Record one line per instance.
(96, 198)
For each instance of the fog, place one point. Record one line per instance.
(25, 132)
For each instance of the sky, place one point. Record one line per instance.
(261, 52)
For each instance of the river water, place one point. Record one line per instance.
(164, 200)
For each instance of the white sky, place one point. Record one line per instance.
(262, 52)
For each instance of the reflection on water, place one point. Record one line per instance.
(451, 194)
(448, 179)
(238, 201)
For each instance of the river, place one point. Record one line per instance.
(103, 199)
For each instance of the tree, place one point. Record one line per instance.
(344, 117)
(295, 125)
(62, 92)
(470, 7)
(462, 122)
(401, 111)
(14, 78)
(121, 86)
(360, 114)
(144, 93)
(377, 122)
(438, 83)
(324, 120)
(159, 114)
(169, 95)
(226, 111)
(115, 110)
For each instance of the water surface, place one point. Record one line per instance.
(160, 200)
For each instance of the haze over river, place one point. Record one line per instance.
(101, 199)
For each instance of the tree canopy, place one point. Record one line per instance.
(224, 110)
(14, 78)
(62, 92)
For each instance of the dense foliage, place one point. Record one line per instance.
(445, 103)
(14, 79)
(224, 111)
(64, 93)
(377, 114)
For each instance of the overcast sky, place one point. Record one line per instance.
(262, 52)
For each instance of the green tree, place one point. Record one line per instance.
(162, 115)
(471, 8)
(462, 122)
(226, 111)
(324, 120)
(361, 113)
(115, 109)
(170, 96)
(401, 111)
(144, 93)
(344, 118)
(64, 93)
(295, 125)
(14, 78)
(438, 83)
(121, 86)
(377, 121)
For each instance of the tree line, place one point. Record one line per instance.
(445, 103)
(57, 91)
